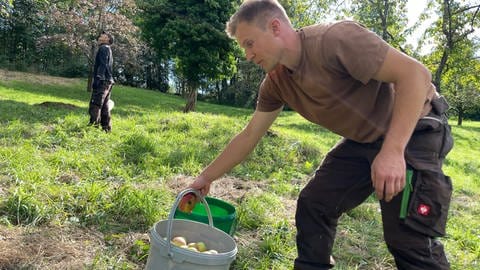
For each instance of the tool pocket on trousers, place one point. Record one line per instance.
(429, 144)
(429, 204)
(427, 136)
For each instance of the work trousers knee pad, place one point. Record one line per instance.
(430, 256)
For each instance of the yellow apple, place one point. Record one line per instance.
(201, 246)
(179, 241)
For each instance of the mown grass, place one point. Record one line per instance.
(54, 170)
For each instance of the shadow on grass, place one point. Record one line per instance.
(14, 110)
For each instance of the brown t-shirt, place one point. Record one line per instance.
(333, 85)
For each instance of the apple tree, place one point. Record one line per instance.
(386, 17)
(461, 82)
(455, 26)
(191, 34)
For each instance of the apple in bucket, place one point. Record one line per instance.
(179, 241)
(200, 246)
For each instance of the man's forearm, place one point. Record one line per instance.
(410, 98)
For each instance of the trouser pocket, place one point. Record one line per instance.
(429, 203)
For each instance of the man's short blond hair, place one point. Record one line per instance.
(259, 12)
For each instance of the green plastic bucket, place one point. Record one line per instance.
(163, 255)
(223, 214)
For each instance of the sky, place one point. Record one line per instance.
(414, 8)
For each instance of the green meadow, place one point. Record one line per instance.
(74, 197)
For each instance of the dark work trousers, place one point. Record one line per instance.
(99, 107)
(343, 181)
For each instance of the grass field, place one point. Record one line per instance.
(74, 197)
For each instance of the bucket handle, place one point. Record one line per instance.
(174, 208)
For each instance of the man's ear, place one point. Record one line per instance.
(275, 26)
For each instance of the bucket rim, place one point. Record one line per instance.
(232, 212)
(220, 201)
(175, 249)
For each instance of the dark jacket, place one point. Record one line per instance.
(102, 71)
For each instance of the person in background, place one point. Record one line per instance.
(346, 78)
(100, 103)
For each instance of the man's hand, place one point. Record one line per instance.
(388, 174)
(202, 184)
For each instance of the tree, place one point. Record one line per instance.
(244, 85)
(307, 12)
(20, 25)
(77, 23)
(5, 11)
(191, 33)
(462, 81)
(454, 27)
(385, 17)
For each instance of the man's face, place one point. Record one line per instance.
(260, 46)
(103, 39)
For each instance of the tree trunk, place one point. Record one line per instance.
(384, 17)
(90, 68)
(221, 87)
(149, 75)
(217, 92)
(191, 97)
(460, 117)
(438, 73)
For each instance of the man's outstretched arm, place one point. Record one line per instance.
(237, 149)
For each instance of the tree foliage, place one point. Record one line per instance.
(244, 85)
(385, 17)
(191, 33)
(462, 81)
(21, 27)
(453, 59)
(455, 25)
(77, 23)
(5, 11)
(307, 12)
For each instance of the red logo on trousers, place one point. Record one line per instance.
(423, 209)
